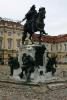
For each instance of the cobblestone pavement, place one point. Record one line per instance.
(29, 92)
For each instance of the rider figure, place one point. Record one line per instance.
(30, 17)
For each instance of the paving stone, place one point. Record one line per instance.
(28, 92)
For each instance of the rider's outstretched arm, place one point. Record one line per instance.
(23, 19)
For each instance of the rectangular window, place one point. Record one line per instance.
(9, 43)
(57, 47)
(65, 45)
(51, 47)
(64, 59)
(18, 43)
(1, 33)
(0, 43)
(9, 33)
(60, 46)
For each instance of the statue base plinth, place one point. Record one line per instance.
(39, 74)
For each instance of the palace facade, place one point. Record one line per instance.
(10, 38)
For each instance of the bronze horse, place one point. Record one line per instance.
(38, 26)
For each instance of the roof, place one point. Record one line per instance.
(17, 22)
(51, 39)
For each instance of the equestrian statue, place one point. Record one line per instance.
(34, 23)
(32, 61)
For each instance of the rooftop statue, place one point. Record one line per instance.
(34, 22)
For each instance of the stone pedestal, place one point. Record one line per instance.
(39, 75)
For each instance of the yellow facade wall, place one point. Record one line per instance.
(5, 27)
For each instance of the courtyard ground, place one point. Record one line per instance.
(12, 91)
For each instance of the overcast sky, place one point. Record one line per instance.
(56, 13)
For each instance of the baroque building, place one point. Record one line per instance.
(10, 38)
